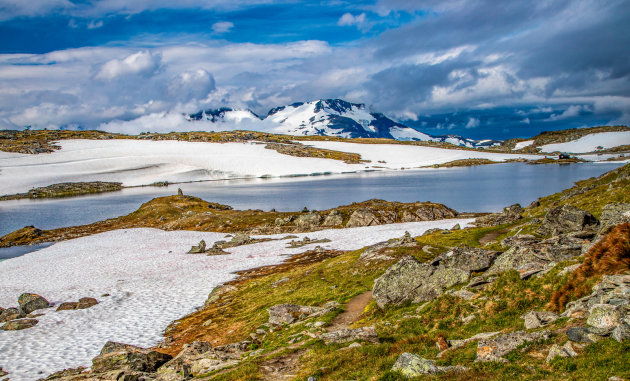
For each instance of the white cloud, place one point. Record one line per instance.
(571, 111)
(140, 63)
(95, 24)
(222, 27)
(348, 19)
(472, 123)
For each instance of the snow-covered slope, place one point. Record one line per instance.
(590, 142)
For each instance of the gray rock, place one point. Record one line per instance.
(19, 324)
(118, 356)
(377, 252)
(198, 249)
(411, 365)
(565, 219)
(537, 319)
(308, 221)
(218, 292)
(347, 335)
(578, 335)
(334, 218)
(612, 215)
(561, 351)
(31, 302)
(613, 289)
(621, 332)
(495, 349)
(508, 215)
(11, 314)
(200, 358)
(410, 280)
(464, 294)
(291, 313)
(362, 217)
(604, 317)
(569, 269)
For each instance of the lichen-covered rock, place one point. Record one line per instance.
(31, 302)
(118, 356)
(86, 302)
(410, 280)
(537, 319)
(561, 351)
(411, 365)
(495, 349)
(19, 324)
(565, 219)
(613, 289)
(199, 358)
(362, 217)
(612, 215)
(290, 313)
(218, 292)
(347, 335)
(378, 252)
(334, 218)
(604, 316)
(578, 335)
(308, 221)
(621, 332)
(67, 306)
(11, 314)
(400, 282)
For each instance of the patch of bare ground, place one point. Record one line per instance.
(351, 313)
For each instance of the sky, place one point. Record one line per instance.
(477, 68)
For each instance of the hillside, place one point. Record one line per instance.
(494, 302)
(604, 139)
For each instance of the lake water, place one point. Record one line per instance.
(485, 188)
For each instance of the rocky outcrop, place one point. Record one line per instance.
(561, 351)
(613, 289)
(378, 252)
(347, 335)
(334, 218)
(612, 215)
(19, 324)
(508, 215)
(118, 356)
(290, 313)
(11, 313)
(31, 302)
(411, 365)
(83, 303)
(494, 349)
(362, 217)
(529, 256)
(199, 358)
(308, 221)
(410, 280)
(565, 219)
(199, 248)
(537, 319)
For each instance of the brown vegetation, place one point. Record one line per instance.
(611, 255)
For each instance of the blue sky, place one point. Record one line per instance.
(468, 67)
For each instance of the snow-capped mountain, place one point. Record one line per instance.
(327, 117)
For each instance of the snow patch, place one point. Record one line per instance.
(151, 282)
(523, 144)
(590, 142)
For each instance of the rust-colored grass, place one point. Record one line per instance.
(611, 255)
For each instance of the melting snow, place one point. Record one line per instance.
(523, 144)
(151, 280)
(590, 142)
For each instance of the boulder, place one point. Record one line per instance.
(347, 335)
(118, 356)
(334, 218)
(31, 302)
(11, 314)
(537, 319)
(612, 215)
(401, 281)
(605, 317)
(308, 221)
(411, 365)
(578, 335)
(362, 217)
(378, 252)
(410, 280)
(86, 303)
(561, 351)
(198, 249)
(508, 215)
(19, 324)
(621, 332)
(290, 313)
(200, 358)
(565, 219)
(495, 349)
(613, 289)
(67, 306)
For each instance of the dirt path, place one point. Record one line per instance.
(492, 236)
(354, 309)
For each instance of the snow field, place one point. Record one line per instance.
(151, 280)
(523, 144)
(590, 142)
